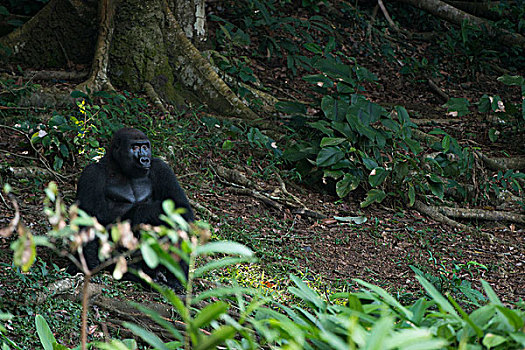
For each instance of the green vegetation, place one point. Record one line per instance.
(243, 318)
(373, 151)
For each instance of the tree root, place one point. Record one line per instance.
(493, 215)
(154, 97)
(98, 78)
(240, 184)
(435, 214)
(55, 75)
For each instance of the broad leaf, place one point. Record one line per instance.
(329, 156)
(377, 176)
(346, 185)
(373, 196)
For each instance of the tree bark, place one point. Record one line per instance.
(134, 45)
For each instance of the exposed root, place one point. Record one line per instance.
(240, 184)
(98, 78)
(493, 215)
(435, 214)
(154, 97)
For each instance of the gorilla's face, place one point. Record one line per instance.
(134, 157)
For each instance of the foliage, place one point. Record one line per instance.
(355, 141)
(371, 319)
(12, 92)
(511, 124)
(97, 115)
(276, 36)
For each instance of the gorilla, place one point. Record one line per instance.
(128, 184)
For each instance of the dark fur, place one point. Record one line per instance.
(116, 172)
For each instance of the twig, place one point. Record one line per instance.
(387, 16)
(18, 107)
(437, 90)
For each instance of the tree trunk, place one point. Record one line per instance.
(134, 45)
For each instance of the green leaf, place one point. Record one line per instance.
(149, 337)
(346, 185)
(402, 115)
(377, 176)
(358, 220)
(306, 293)
(227, 145)
(208, 314)
(224, 247)
(490, 293)
(492, 340)
(369, 163)
(493, 134)
(377, 339)
(320, 80)
(334, 109)
(47, 339)
(512, 80)
(77, 94)
(438, 298)
(313, 47)
(437, 189)
(411, 195)
(329, 156)
(331, 141)
(373, 196)
(220, 263)
(445, 143)
(291, 107)
(322, 126)
(218, 337)
(387, 298)
(148, 254)
(57, 164)
(513, 319)
(334, 174)
(459, 105)
(364, 74)
(154, 315)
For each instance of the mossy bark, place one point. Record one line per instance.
(146, 45)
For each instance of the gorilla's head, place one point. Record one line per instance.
(131, 151)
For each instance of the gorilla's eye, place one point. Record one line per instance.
(145, 147)
(135, 148)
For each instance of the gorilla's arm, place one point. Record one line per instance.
(165, 186)
(90, 194)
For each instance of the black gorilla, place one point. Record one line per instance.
(128, 184)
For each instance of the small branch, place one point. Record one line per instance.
(435, 89)
(387, 16)
(257, 195)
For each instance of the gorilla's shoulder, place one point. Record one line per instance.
(158, 164)
(96, 167)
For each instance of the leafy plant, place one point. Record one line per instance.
(97, 115)
(355, 142)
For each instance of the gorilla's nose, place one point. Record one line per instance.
(145, 162)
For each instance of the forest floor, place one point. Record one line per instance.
(328, 253)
